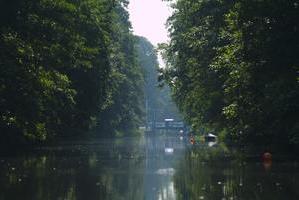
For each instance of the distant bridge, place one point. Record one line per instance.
(166, 125)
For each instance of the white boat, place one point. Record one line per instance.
(210, 137)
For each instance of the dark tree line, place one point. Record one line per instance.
(233, 67)
(66, 67)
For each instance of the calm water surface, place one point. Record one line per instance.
(150, 168)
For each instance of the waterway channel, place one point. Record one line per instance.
(161, 167)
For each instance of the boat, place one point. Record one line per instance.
(210, 137)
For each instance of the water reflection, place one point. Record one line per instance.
(104, 170)
(162, 156)
(151, 168)
(217, 173)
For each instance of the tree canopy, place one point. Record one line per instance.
(233, 66)
(66, 67)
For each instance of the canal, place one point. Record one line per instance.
(149, 167)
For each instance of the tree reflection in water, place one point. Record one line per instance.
(106, 170)
(134, 169)
(216, 173)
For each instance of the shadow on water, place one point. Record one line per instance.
(150, 167)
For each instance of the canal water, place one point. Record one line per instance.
(150, 168)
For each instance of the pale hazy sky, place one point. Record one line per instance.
(148, 18)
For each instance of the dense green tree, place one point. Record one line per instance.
(65, 66)
(194, 29)
(233, 66)
(124, 110)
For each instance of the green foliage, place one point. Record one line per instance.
(64, 64)
(232, 65)
(123, 112)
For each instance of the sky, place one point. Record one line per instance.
(148, 18)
